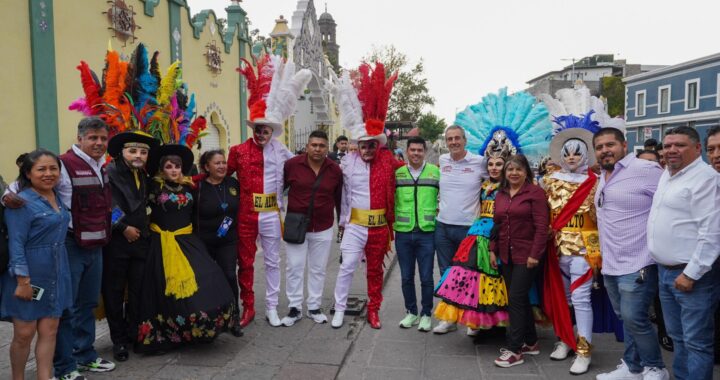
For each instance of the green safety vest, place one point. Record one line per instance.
(416, 201)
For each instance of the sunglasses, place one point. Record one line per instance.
(601, 199)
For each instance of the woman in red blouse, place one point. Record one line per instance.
(521, 222)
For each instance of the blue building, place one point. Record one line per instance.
(684, 94)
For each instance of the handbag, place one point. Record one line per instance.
(296, 223)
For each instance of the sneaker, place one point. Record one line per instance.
(425, 323)
(74, 375)
(580, 365)
(560, 352)
(272, 317)
(655, 373)
(508, 359)
(409, 321)
(293, 316)
(472, 332)
(98, 365)
(317, 316)
(337, 320)
(622, 372)
(444, 327)
(530, 350)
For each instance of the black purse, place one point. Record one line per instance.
(296, 224)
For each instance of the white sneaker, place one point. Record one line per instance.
(560, 352)
(317, 316)
(337, 320)
(655, 373)
(444, 327)
(580, 365)
(622, 372)
(472, 332)
(293, 316)
(272, 318)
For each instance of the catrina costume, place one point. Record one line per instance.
(273, 95)
(574, 250)
(472, 292)
(368, 196)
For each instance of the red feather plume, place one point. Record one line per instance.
(374, 94)
(258, 85)
(90, 87)
(196, 128)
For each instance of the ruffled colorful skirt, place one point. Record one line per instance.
(472, 293)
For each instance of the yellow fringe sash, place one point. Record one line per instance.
(179, 276)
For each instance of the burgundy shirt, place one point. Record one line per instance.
(299, 178)
(522, 224)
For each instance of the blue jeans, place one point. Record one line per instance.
(417, 247)
(630, 301)
(76, 332)
(447, 240)
(689, 320)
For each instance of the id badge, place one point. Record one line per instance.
(224, 226)
(116, 215)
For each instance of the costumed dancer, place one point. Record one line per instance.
(259, 162)
(368, 196)
(472, 291)
(575, 245)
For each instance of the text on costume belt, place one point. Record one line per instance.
(578, 223)
(487, 209)
(265, 202)
(368, 218)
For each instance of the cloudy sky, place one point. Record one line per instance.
(472, 47)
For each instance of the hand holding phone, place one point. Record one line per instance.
(24, 292)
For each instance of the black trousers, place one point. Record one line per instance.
(519, 279)
(225, 255)
(123, 268)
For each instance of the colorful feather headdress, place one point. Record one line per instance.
(502, 125)
(363, 100)
(134, 96)
(576, 108)
(274, 90)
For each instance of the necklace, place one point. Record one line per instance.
(175, 189)
(223, 201)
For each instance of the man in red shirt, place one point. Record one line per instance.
(300, 174)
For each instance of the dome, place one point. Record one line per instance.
(326, 17)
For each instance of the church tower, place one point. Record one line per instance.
(329, 43)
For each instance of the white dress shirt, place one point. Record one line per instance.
(460, 183)
(684, 222)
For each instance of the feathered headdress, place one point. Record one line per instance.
(133, 96)
(502, 125)
(274, 90)
(363, 100)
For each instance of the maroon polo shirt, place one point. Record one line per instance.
(299, 179)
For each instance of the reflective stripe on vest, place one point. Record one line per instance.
(416, 200)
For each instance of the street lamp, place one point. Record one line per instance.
(572, 75)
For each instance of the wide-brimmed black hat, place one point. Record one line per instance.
(117, 142)
(185, 154)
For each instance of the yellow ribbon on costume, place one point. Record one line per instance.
(368, 218)
(265, 202)
(578, 223)
(179, 276)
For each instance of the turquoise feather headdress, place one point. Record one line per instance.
(503, 124)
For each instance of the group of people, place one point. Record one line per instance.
(172, 254)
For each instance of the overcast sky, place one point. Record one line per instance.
(472, 47)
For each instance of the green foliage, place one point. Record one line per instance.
(613, 89)
(430, 126)
(410, 94)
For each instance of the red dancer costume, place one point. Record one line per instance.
(259, 163)
(368, 198)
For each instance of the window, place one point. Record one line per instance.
(664, 99)
(640, 103)
(692, 94)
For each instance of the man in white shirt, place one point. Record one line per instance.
(461, 174)
(684, 239)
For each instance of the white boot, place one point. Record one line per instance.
(560, 352)
(337, 320)
(580, 365)
(272, 317)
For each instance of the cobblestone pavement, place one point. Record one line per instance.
(311, 351)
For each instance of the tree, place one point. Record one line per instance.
(430, 126)
(613, 89)
(410, 94)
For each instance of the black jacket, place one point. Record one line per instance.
(127, 197)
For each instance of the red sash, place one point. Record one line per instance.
(554, 300)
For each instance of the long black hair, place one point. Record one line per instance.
(516, 160)
(27, 164)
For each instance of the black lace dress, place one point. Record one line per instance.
(169, 317)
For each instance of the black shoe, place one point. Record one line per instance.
(236, 331)
(120, 352)
(667, 343)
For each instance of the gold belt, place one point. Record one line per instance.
(579, 223)
(368, 218)
(487, 208)
(265, 202)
